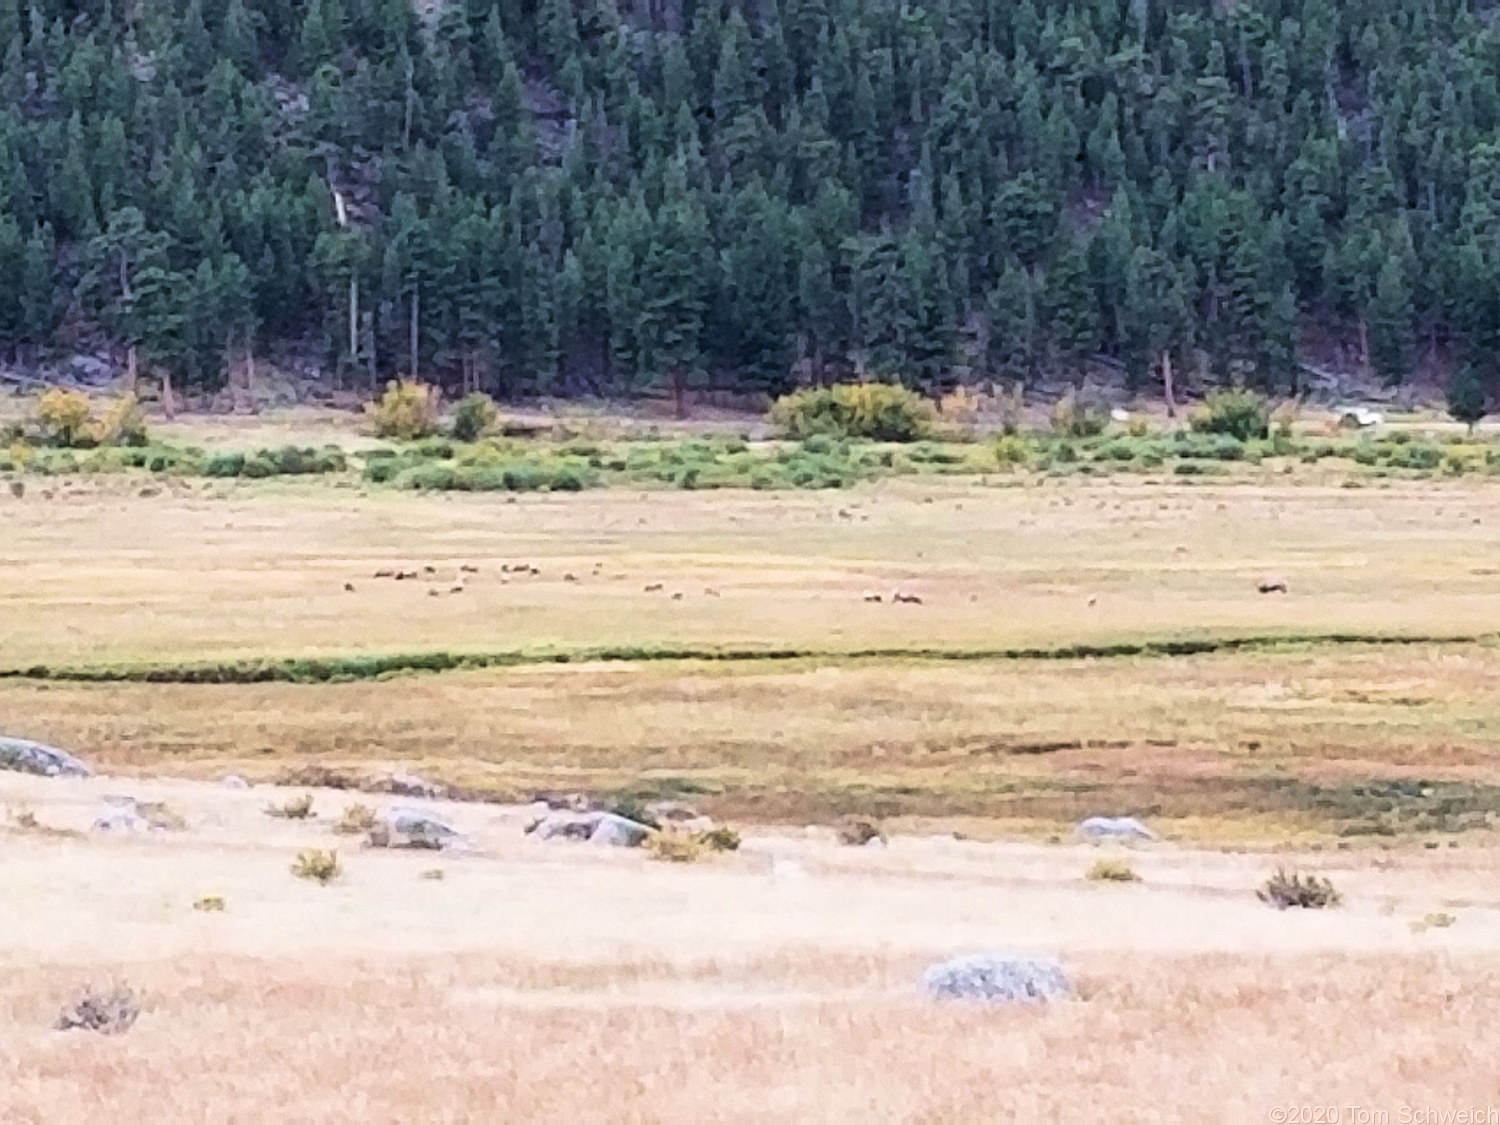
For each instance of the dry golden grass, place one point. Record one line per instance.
(541, 982)
(98, 573)
(562, 982)
(1205, 1038)
(1243, 738)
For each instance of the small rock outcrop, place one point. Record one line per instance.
(107, 1012)
(997, 977)
(1114, 828)
(402, 827)
(597, 827)
(35, 757)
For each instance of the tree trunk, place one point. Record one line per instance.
(132, 371)
(353, 320)
(1166, 382)
(168, 400)
(1364, 345)
(250, 376)
(416, 300)
(679, 392)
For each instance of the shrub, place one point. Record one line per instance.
(474, 416)
(1242, 414)
(674, 847)
(1011, 450)
(357, 820)
(1283, 418)
(1121, 449)
(294, 808)
(408, 410)
(63, 418)
(1209, 447)
(1137, 428)
(211, 904)
(878, 411)
(436, 476)
(1078, 414)
(1112, 871)
(1415, 456)
(224, 465)
(1307, 891)
(123, 424)
(1440, 919)
(930, 453)
(317, 865)
(721, 839)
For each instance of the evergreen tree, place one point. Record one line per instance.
(1390, 322)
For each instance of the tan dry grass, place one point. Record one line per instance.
(105, 574)
(1211, 1038)
(1237, 737)
(560, 982)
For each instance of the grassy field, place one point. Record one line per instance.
(1342, 740)
(100, 573)
(776, 984)
(566, 982)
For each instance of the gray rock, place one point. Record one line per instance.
(997, 977)
(1114, 828)
(107, 1012)
(402, 827)
(567, 825)
(34, 757)
(235, 781)
(120, 819)
(602, 828)
(618, 832)
(128, 814)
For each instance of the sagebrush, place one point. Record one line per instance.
(408, 410)
(878, 411)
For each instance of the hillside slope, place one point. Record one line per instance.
(591, 195)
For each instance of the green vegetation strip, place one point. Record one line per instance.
(334, 669)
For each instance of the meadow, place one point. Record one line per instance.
(1063, 645)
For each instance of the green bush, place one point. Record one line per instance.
(1415, 456)
(286, 460)
(518, 476)
(1209, 446)
(474, 416)
(879, 411)
(434, 476)
(1241, 414)
(1121, 449)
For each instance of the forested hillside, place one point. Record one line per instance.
(611, 196)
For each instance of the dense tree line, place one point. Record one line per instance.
(611, 195)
